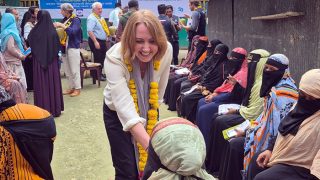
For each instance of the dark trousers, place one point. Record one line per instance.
(175, 53)
(99, 54)
(122, 149)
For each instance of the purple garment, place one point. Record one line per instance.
(47, 88)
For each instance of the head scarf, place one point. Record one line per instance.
(209, 57)
(201, 47)
(309, 84)
(234, 64)
(271, 78)
(181, 149)
(213, 44)
(254, 107)
(9, 28)
(276, 106)
(241, 75)
(45, 46)
(214, 76)
(192, 53)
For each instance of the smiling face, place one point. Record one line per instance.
(145, 46)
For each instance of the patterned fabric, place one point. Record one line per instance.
(15, 122)
(276, 106)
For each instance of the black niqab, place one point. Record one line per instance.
(253, 60)
(303, 109)
(43, 40)
(215, 74)
(233, 65)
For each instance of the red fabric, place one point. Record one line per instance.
(240, 76)
(202, 57)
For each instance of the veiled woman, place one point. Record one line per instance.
(11, 46)
(251, 108)
(46, 74)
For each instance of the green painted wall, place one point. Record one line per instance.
(13, 2)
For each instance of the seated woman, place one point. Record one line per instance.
(12, 83)
(213, 78)
(190, 63)
(176, 151)
(187, 62)
(251, 108)
(222, 95)
(11, 46)
(295, 154)
(194, 76)
(280, 94)
(27, 133)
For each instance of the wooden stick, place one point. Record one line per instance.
(278, 16)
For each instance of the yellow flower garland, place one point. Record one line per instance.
(103, 24)
(152, 112)
(68, 23)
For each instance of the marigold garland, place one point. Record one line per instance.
(152, 112)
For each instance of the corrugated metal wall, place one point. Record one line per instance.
(296, 37)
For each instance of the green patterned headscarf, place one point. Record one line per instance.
(181, 148)
(255, 106)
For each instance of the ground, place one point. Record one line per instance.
(81, 149)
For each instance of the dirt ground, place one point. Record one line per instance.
(81, 149)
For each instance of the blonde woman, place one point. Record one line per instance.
(137, 71)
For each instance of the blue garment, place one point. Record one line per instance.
(9, 28)
(205, 111)
(276, 106)
(95, 26)
(74, 33)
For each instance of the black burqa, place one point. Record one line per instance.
(44, 43)
(44, 40)
(213, 78)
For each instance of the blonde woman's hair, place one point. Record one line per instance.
(155, 28)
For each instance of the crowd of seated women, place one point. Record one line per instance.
(281, 140)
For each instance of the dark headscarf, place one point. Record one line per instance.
(272, 78)
(309, 84)
(209, 58)
(214, 76)
(253, 60)
(27, 17)
(44, 40)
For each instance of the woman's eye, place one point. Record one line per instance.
(152, 41)
(139, 41)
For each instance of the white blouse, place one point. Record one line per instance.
(117, 94)
(26, 30)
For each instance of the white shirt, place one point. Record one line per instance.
(114, 17)
(117, 94)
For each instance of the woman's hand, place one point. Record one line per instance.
(232, 111)
(209, 98)
(232, 80)
(140, 135)
(263, 158)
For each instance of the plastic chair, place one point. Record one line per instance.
(93, 68)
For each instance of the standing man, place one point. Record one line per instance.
(198, 24)
(175, 43)
(133, 7)
(114, 15)
(166, 22)
(98, 32)
(71, 48)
